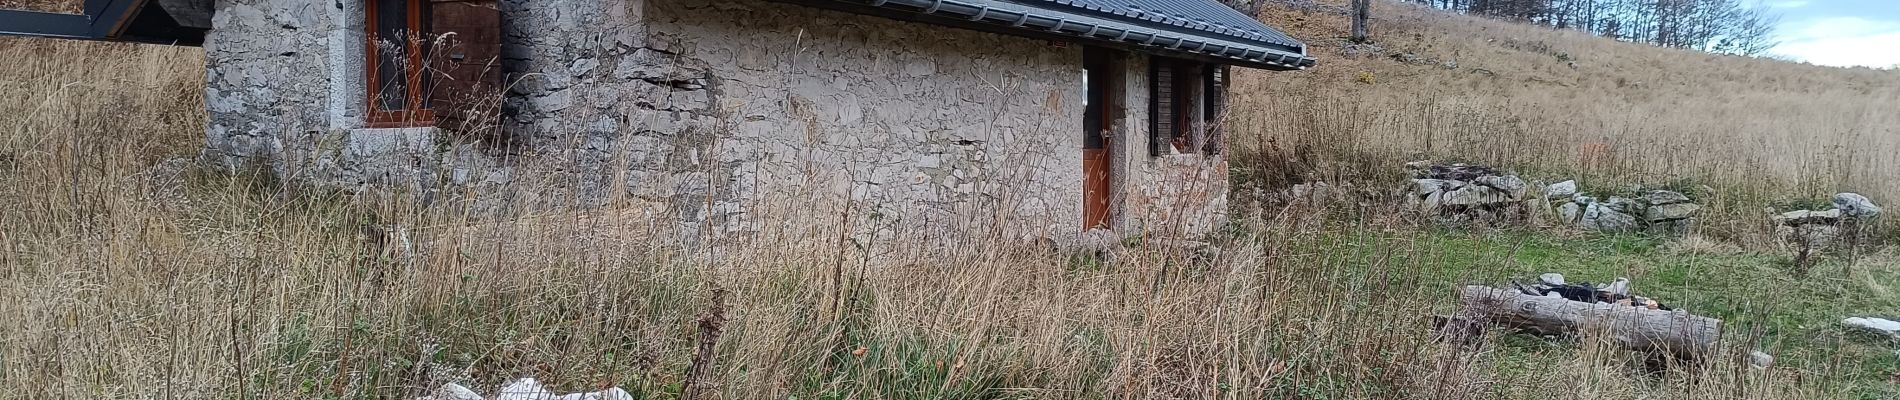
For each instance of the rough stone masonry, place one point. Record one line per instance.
(731, 114)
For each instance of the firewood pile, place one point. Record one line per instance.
(1616, 292)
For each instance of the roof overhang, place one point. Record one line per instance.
(175, 22)
(1039, 21)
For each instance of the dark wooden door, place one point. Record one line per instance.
(465, 76)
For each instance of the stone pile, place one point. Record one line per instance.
(1466, 193)
(1810, 228)
(1656, 211)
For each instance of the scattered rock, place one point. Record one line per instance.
(1561, 190)
(1759, 359)
(1881, 325)
(1665, 197)
(1854, 205)
(1622, 204)
(1812, 229)
(1806, 217)
(1553, 279)
(1474, 195)
(1508, 184)
(1670, 212)
(1458, 172)
(1428, 186)
(1570, 212)
(1621, 287)
(1603, 217)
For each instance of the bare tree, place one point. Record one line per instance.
(1361, 12)
(1717, 26)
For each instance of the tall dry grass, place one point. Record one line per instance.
(1561, 103)
(125, 276)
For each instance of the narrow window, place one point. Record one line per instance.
(1216, 109)
(1161, 107)
(1186, 97)
(398, 34)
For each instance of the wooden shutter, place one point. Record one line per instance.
(1216, 107)
(1161, 107)
(466, 90)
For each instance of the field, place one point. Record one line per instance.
(129, 274)
(1557, 103)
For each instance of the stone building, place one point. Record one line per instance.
(1055, 115)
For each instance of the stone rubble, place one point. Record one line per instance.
(1656, 211)
(1460, 193)
(1854, 205)
(1822, 228)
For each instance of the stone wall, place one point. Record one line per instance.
(732, 114)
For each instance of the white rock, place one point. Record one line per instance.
(1421, 187)
(1878, 324)
(1472, 195)
(1854, 205)
(524, 389)
(1601, 217)
(1510, 185)
(1670, 212)
(1620, 287)
(1760, 360)
(1561, 190)
(1553, 279)
(1659, 197)
(1803, 217)
(452, 391)
(1622, 204)
(1570, 212)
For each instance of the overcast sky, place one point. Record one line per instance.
(1839, 32)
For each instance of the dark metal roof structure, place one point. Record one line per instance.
(177, 22)
(1196, 29)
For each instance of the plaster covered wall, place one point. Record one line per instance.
(729, 114)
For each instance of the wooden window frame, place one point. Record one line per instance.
(1184, 103)
(416, 111)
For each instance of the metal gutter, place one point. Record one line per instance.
(1259, 54)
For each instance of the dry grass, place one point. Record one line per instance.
(121, 280)
(1563, 103)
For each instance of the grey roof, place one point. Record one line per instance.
(1199, 29)
(1204, 16)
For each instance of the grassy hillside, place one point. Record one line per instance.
(124, 275)
(1437, 85)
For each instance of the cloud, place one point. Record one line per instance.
(1843, 41)
(1789, 4)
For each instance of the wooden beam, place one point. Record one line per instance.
(189, 13)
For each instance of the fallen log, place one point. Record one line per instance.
(1676, 332)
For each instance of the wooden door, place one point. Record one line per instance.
(1103, 78)
(465, 81)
